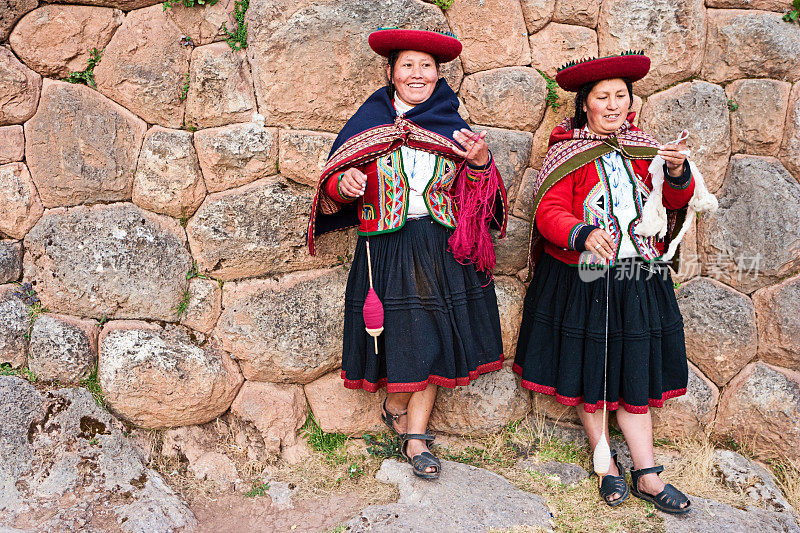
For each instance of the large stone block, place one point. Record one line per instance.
(779, 323)
(688, 416)
(285, 330)
(144, 67)
(751, 240)
(484, 406)
(168, 178)
(124, 5)
(13, 327)
(257, 229)
(19, 89)
(510, 295)
(205, 305)
(766, 5)
(558, 44)
(304, 154)
(10, 261)
(20, 205)
(277, 412)
(333, 72)
(511, 150)
(511, 97)
(81, 147)
(541, 138)
(220, 87)
(62, 348)
(772, 46)
(501, 43)
(537, 13)
(655, 26)
(108, 260)
(56, 40)
(12, 144)
(720, 328)
(702, 108)
(580, 12)
(160, 378)
(757, 123)
(13, 11)
(237, 154)
(761, 407)
(203, 24)
(523, 206)
(337, 409)
(791, 138)
(512, 251)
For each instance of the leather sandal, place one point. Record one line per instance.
(422, 461)
(668, 500)
(611, 485)
(390, 418)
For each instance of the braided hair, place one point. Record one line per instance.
(580, 120)
(392, 59)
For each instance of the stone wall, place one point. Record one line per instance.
(160, 216)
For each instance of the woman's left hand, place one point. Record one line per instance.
(476, 151)
(673, 157)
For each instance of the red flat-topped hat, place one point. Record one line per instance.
(442, 45)
(632, 65)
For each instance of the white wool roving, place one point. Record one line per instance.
(654, 214)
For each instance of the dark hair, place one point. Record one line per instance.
(579, 120)
(392, 59)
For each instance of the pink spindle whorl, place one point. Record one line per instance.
(373, 311)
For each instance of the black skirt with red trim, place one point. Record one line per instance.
(441, 322)
(561, 347)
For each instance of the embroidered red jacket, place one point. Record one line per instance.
(573, 207)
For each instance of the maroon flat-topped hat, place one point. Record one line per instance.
(442, 45)
(632, 65)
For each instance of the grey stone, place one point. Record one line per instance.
(567, 473)
(280, 493)
(751, 241)
(512, 251)
(458, 499)
(13, 327)
(10, 260)
(720, 328)
(511, 151)
(259, 228)
(744, 475)
(285, 330)
(59, 351)
(60, 442)
(108, 261)
(709, 516)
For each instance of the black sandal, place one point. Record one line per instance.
(389, 419)
(668, 500)
(422, 461)
(611, 485)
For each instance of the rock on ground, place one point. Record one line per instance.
(161, 378)
(62, 348)
(71, 465)
(743, 475)
(709, 516)
(566, 473)
(465, 498)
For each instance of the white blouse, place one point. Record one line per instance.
(623, 201)
(418, 167)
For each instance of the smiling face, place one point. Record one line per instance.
(414, 77)
(607, 106)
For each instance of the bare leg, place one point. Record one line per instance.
(419, 411)
(638, 431)
(593, 424)
(397, 402)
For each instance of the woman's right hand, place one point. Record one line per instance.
(353, 183)
(599, 242)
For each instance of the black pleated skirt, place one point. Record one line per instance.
(441, 322)
(561, 347)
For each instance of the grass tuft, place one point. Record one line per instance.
(732, 106)
(237, 39)
(260, 488)
(24, 373)
(187, 3)
(444, 4)
(183, 304)
(552, 94)
(183, 94)
(92, 384)
(793, 15)
(330, 444)
(86, 77)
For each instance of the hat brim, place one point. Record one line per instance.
(633, 67)
(442, 47)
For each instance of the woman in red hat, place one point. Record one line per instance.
(423, 190)
(601, 328)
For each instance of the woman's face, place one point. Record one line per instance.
(606, 106)
(414, 77)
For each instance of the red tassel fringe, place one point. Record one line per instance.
(471, 241)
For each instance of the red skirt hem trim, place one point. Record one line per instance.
(450, 383)
(572, 401)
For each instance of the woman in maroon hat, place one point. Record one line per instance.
(601, 328)
(422, 189)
